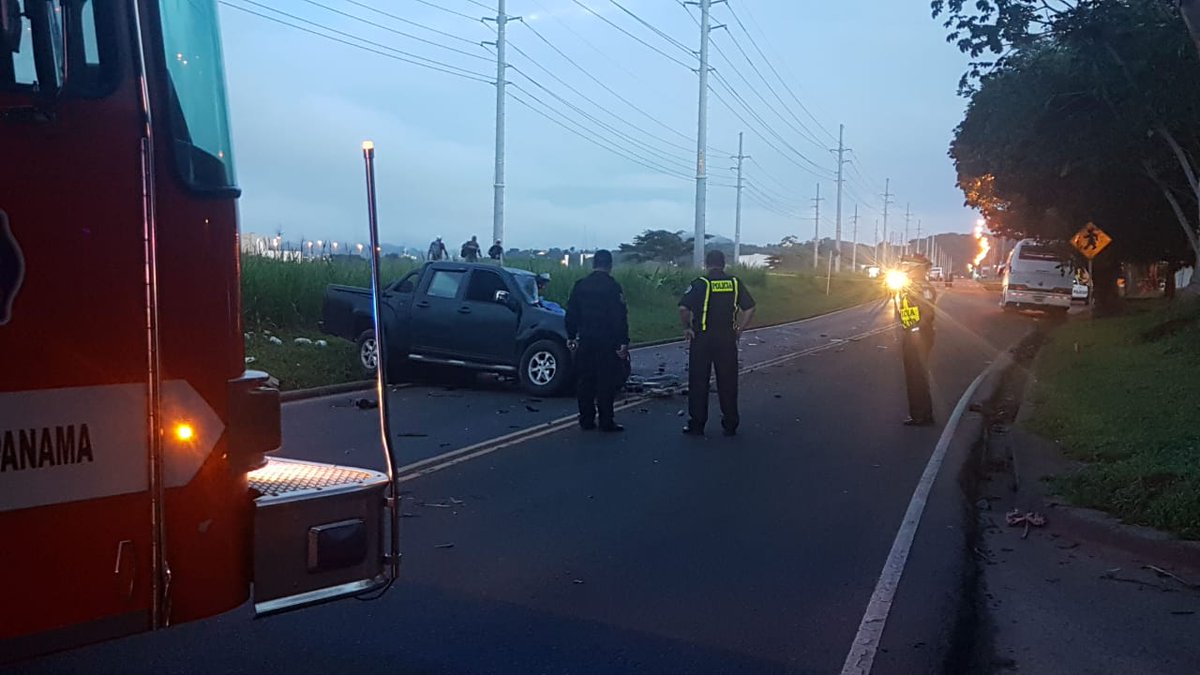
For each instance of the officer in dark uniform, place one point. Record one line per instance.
(598, 334)
(715, 310)
(915, 315)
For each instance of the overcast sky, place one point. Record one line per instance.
(301, 106)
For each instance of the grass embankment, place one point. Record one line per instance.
(1123, 395)
(283, 300)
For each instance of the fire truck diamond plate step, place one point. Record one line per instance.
(283, 476)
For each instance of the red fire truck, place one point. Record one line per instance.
(135, 487)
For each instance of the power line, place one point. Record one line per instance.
(676, 43)
(417, 23)
(803, 128)
(819, 171)
(399, 55)
(662, 155)
(393, 30)
(597, 141)
(610, 90)
(782, 81)
(447, 10)
(608, 21)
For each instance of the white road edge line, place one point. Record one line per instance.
(861, 658)
(448, 459)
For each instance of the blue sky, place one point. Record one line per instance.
(301, 106)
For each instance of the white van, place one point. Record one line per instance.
(1038, 276)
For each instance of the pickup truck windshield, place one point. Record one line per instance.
(528, 285)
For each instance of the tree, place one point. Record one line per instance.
(657, 246)
(1086, 113)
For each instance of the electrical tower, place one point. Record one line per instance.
(817, 228)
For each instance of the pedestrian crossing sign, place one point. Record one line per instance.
(1091, 240)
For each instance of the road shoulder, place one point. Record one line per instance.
(1083, 592)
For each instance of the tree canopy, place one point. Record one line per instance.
(1080, 111)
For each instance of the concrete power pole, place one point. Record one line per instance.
(907, 219)
(878, 261)
(817, 228)
(501, 20)
(887, 200)
(918, 235)
(737, 221)
(854, 244)
(841, 162)
(701, 137)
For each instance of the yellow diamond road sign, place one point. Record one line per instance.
(1091, 240)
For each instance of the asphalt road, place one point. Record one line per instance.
(642, 552)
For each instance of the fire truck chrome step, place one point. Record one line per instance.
(319, 533)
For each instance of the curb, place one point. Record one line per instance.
(294, 395)
(325, 390)
(1098, 527)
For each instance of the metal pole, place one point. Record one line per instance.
(501, 69)
(817, 228)
(701, 139)
(841, 151)
(737, 222)
(854, 244)
(907, 218)
(887, 200)
(381, 358)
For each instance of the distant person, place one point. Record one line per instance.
(437, 250)
(598, 334)
(470, 250)
(914, 304)
(715, 310)
(543, 280)
(496, 251)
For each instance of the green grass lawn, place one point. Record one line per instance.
(285, 299)
(1123, 395)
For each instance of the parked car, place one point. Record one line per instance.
(472, 316)
(1038, 276)
(935, 274)
(1080, 291)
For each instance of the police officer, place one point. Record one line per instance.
(914, 303)
(715, 310)
(598, 334)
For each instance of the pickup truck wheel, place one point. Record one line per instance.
(368, 356)
(545, 368)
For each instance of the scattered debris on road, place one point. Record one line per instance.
(446, 545)
(532, 409)
(1015, 518)
(1169, 575)
(411, 434)
(365, 403)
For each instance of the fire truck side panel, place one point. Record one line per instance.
(73, 205)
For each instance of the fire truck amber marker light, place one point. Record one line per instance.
(184, 431)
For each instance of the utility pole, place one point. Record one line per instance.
(817, 228)
(907, 218)
(854, 244)
(919, 235)
(501, 20)
(878, 260)
(841, 153)
(737, 222)
(702, 136)
(887, 200)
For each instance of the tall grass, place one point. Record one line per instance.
(288, 294)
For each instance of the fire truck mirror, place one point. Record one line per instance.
(10, 25)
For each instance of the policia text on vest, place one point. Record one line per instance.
(715, 310)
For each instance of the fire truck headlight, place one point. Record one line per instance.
(184, 432)
(896, 280)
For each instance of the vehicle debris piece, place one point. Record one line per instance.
(446, 545)
(365, 403)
